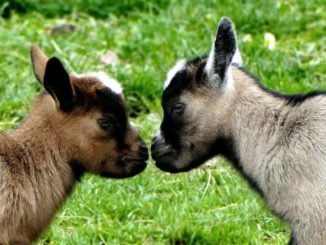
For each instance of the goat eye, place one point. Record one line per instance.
(177, 109)
(105, 124)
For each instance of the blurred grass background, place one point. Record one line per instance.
(211, 205)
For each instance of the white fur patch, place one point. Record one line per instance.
(237, 59)
(229, 85)
(107, 81)
(180, 65)
(210, 61)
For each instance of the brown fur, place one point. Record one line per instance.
(38, 160)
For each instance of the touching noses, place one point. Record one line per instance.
(143, 150)
(157, 142)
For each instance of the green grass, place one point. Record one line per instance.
(97, 8)
(211, 205)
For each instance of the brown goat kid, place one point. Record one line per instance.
(79, 124)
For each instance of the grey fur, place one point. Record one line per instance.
(278, 142)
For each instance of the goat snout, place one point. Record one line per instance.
(138, 155)
(160, 149)
(143, 150)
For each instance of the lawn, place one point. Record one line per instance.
(211, 205)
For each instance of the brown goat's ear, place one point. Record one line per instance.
(222, 52)
(58, 84)
(39, 60)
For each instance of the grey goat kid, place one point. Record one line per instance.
(213, 106)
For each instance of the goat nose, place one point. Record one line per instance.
(155, 143)
(143, 149)
(156, 139)
(144, 152)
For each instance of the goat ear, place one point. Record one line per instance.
(39, 60)
(222, 52)
(58, 84)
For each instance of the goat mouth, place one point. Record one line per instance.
(167, 168)
(165, 160)
(169, 162)
(135, 163)
(158, 155)
(128, 168)
(138, 167)
(128, 159)
(162, 152)
(167, 165)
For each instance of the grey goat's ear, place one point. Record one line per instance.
(222, 52)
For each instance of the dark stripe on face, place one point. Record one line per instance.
(183, 80)
(179, 83)
(115, 111)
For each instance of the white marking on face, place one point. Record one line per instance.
(107, 81)
(180, 65)
(237, 59)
